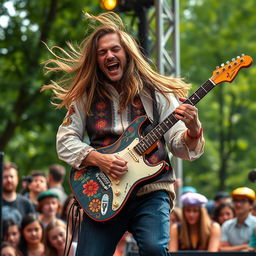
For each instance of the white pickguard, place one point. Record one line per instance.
(137, 170)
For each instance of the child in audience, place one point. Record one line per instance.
(31, 243)
(11, 232)
(49, 207)
(55, 239)
(8, 249)
(223, 212)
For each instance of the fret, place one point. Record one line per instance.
(150, 134)
(150, 139)
(139, 148)
(158, 132)
(204, 89)
(166, 124)
(144, 144)
(163, 127)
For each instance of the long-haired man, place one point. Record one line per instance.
(108, 84)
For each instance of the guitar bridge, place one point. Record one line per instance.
(103, 180)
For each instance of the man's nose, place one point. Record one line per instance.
(110, 55)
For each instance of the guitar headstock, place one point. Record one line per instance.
(228, 72)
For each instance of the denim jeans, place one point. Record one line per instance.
(147, 217)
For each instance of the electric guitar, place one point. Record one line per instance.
(101, 196)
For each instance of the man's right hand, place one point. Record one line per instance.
(111, 164)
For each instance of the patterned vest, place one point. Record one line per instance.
(100, 123)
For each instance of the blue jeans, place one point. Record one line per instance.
(146, 217)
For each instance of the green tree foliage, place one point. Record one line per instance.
(211, 33)
(28, 121)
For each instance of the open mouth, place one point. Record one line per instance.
(113, 66)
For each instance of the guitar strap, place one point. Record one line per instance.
(155, 122)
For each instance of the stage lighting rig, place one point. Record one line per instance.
(125, 5)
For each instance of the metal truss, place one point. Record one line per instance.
(165, 19)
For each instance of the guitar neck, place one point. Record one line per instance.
(157, 133)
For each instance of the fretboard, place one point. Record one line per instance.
(157, 133)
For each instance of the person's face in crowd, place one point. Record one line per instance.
(57, 237)
(226, 213)
(33, 233)
(8, 251)
(253, 212)
(242, 206)
(10, 180)
(13, 235)
(111, 56)
(50, 206)
(192, 214)
(38, 184)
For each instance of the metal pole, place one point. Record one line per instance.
(177, 161)
(142, 14)
(167, 17)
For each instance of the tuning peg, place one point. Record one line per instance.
(238, 57)
(227, 62)
(222, 65)
(242, 54)
(217, 67)
(233, 59)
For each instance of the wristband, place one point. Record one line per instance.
(195, 137)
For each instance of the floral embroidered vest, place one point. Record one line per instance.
(100, 128)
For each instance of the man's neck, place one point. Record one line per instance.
(10, 196)
(33, 196)
(241, 219)
(54, 184)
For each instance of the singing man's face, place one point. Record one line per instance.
(111, 57)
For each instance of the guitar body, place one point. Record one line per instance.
(101, 196)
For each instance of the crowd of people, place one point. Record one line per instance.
(35, 220)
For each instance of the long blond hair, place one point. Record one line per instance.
(204, 229)
(83, 78)
(49, 249)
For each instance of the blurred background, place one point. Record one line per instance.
(210, 33)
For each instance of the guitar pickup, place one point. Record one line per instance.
(103, 180)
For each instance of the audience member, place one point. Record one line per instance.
(237, 232)
(66, 207)
(196, 230)
(49, 206)
(25, 180)
(223, 212)
(8, 249)
(31, 242)
(11, 232)
(68, 215)
(55, 239)
(252, 243)
(15, 206)
(253, 212)
(56, 177)
(37, 185)
(221, 197)
(187, 189)
(175, 215)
